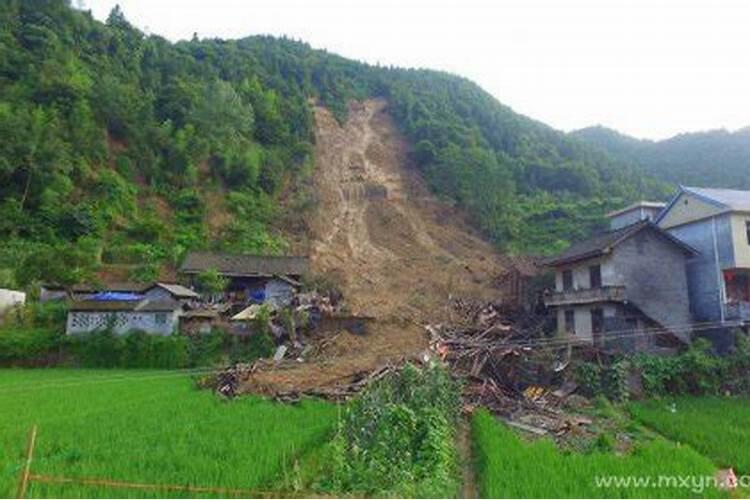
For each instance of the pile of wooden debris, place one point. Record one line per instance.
(508, 366)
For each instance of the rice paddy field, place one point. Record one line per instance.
(717, 427)
(149, 427)
(509, 467)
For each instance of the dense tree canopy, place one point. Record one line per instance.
(716, 158)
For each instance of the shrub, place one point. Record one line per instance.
(695, 371)
(28, 344)
(397, 438)
(104, 349)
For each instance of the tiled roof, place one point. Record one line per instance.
(124, 305)
(733, 199)
(603, 243)
(244, 265)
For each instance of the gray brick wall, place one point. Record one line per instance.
(653, 270)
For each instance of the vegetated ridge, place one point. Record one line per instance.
(715, 158)
(127, 150)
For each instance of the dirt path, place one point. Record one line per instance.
(397, 253)
(469, 487)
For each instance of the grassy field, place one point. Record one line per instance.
(717, 427)
(148, 427)
(508, 467)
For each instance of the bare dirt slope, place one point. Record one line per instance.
(397, 253)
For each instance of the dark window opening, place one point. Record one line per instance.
(567, 278)
(595, 276)
(747, 230)
(737, 285)
(597, 320)
(597, 325)
(570, 321)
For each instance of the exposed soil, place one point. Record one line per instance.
(395, 251)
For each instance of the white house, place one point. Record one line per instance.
(154, 316)
(10, 299)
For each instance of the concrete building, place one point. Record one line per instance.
(637, 212)
(716, 222)
(624, 289)
(159, 317)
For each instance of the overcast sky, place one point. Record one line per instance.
(648, 68)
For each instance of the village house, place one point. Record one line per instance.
(124, 307)
(716, 222)
(252, 278)
(10, 299)
(626, 288)
(153, 316)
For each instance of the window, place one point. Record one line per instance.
(570, 321)
(747, 231)
(160, 318)
(567, 279)
(597, 325)
(595, 276)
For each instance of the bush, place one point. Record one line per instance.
(397, 438)
(28, 344)
(104, 349)
(695, 371)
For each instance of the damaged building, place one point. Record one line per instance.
(251, 278)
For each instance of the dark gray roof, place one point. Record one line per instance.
(103, 305)
(603, 243)
(244, 265)
(125, 305)
(732, 199)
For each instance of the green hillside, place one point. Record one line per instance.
(120, 148)
(715, 158)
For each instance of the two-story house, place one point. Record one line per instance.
(716, 222)
(626, 288)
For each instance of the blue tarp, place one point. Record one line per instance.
(106, 296)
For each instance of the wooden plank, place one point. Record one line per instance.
(25, 472)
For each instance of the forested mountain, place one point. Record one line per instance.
(128, 149)
(715, 158)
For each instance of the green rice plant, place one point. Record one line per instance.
(148, 427)
(508, 467)
(715, 426)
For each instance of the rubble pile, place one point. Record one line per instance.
(496, 351)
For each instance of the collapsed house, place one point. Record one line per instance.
(625, 289)
(251, 278)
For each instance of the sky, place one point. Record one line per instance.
(648, 68)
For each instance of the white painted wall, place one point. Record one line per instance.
(158, 323)
(10, 299)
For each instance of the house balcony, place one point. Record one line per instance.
(737, 311)
(586, 296)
